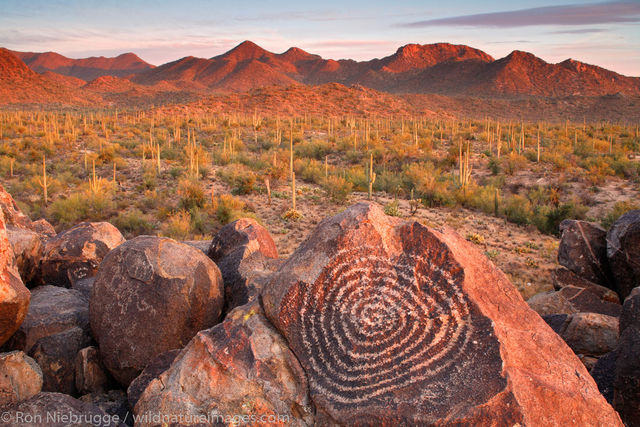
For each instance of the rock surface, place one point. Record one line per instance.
(27, 247)
(627, 375)
(112, 402)
(623, 251)
(245, 253)
(583, 250)
(90, 374)
(562, 277)
(13, 216)
(396, 323)
(242, 366)
(157, 366)
(20, 377)
(14, 296)
(151, 295)
(604, 374)
(55, 329)
(76, 253)
(56, 410)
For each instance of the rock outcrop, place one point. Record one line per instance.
(562, 277)
(20, 378)
(14, 296)
(241, 367)
(627, 375)
(623, 251)
(76, 253)
(151, 295)
(245, 253)
(583, 250)
(396, 323)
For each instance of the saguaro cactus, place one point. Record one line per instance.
(43, 181)
(371, 176)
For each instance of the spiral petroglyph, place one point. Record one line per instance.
(381, 324)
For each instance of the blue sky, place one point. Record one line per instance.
(596, 32)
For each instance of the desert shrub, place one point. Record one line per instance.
(132, 223)
(337, 188)
(494, 166)
(548, 218)
(315, 149)
(513, 162)
(229, 208)
(619, 209)
(387, 181)
(81, 206)
(191, 194)
(392, 208)
(309, 170)
(240, 178)
(518, 209)
(483, 198)
(177, 226)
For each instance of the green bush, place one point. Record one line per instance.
(337, 188)
(132, 223)
(619, 209)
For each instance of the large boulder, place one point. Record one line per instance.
(14, 296)
(627, 376)
(570, 300)
(151, 295)
(591, 333)
(27, 247)
(55, 329)
(56, 410)
(245, 253)
(562, 277)
(623, 251)
(242, 367)
(20, 377)
(583, 250)
(76, 253)
(604, 374)
(397, 323)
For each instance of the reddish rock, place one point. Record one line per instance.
(20, 377)
(76, 253)
(245, 252)
(583, 250)
(157, 366)
(623, 251)
(155, 291)
(562, 277)
(14, 296)
(241, 367)
(591, 333)
(27, 247)
(627, 371)
(56, 410)
(90, 374)
(396, 323)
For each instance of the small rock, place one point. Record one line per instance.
(90, 373)
(623, 251)
(20, 377)
(562, 277)
(583, 250)
(56, 410)
(551, 303)
(604, 374)
(151, 295)
(591, 333)
(76, 253)
(157, 366)
(588, 361)
(242, 366)
(245, 253)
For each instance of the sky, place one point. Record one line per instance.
(596, 32)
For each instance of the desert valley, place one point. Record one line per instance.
(434, 237)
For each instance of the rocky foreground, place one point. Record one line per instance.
(371, 321)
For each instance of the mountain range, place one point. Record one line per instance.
(440, 68)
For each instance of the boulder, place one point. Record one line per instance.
(76, 253)
(13, 216)
(113, 403)
(245, 253)
(583, 250)
(157, 366)
(627, 373)
(56, 410)
(591, 333)
(151, 295)
(570, 300)
(397, 323)
(604, 374)
(623, 251)
(90, 374)
(242, 367)
(84, 286)
(20, 377)
(562, 277)
(14, 296)
(202, 245)
(27, 247)
(55, 329)
(557, 322)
